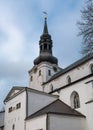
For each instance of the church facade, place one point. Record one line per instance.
(56, 98)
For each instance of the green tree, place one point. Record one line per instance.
(86, 28)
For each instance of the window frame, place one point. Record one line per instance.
(18, 105)
(49, 72)
(39, 72)
(75, 100)
(91, 68)
(31, 78)
(10, 109)
(68, 79)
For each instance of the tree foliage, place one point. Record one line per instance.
(86, 28)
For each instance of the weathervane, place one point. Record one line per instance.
(45, 13)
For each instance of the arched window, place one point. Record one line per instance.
(39, 72)
(55, 68)
(51, 87)
(31, 78)
(40, 47)
(68, 79)
(45, 46)
(75, 101)
(49, 47)
(91, 68)
(49, 72)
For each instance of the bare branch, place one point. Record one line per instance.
(86, 27)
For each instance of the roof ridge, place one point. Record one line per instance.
(70, 107)
(67, 85)
(14, 88)
(41, 92)
(40, 111)
(70, 67)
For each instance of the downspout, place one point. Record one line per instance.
(26, 102)
(47, 123)
(26, 109)
(24, 124)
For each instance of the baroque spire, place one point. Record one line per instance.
(45, 47)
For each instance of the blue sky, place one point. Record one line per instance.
(21, 24)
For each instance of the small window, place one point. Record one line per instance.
(91, 67)
(18, 105)
(45, 46)
(10, 109)
(55, 69)
(31, 78)
(49, 47)
(40, 47)
(68, 79)
(13, 127)
(51, 87)
(75, 101)
(92, 84)
(35, 70)
(39, 72)
(49, 72)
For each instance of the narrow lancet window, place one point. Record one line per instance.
(91, 68)
(75, 101)
(68, 79)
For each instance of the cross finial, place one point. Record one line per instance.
(45, 31)
(45, 13)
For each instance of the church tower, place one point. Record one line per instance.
(45, 65)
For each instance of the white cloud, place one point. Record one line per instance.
(46, 5)
(12, 46)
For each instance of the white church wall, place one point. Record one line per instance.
(80, 88)
(89, 115)
(37, 100)
(38, 123)
(89, 87)
(75, 74)
(17, 116)
(85, 92)
(61, 122)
